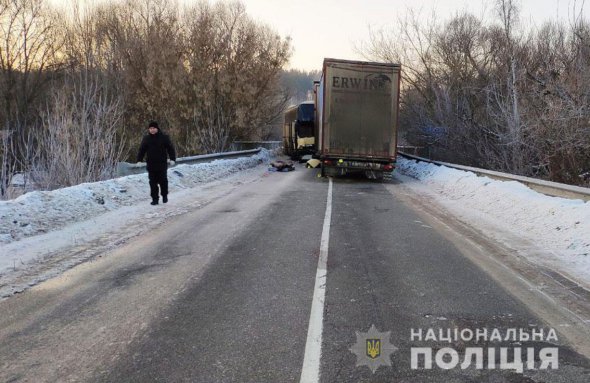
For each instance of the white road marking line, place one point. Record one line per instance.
(313, 346)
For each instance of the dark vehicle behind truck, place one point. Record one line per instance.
(299, 130)
(357, 106)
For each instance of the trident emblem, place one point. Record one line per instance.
(373, 348)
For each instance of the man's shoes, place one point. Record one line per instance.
(164, 198)
(154, 202)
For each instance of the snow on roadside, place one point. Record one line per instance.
(558, 227)
(73, 224)
(44, 211)
(44, 233)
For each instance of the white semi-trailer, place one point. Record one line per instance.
(357, 105)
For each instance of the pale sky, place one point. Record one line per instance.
(331, 28)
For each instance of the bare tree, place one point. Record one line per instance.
(6, 160)
(485, 94)
(233, 68)
(212, 129)
(443, 69)
(79, 141)
(558, 97)
(28, 43)
(144, 39)
(208, 73)
(29, 40)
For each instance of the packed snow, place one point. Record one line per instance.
(43, 233)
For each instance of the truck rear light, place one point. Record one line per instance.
(328, 162)
(388, 168)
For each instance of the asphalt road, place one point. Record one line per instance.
(390, 268)
(223, 294)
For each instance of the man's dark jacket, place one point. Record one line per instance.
(156, 146)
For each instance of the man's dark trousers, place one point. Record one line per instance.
(158, 177)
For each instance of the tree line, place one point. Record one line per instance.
(77, 88)
(492, 94)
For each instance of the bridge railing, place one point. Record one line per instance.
(546, 187)
(126, 168)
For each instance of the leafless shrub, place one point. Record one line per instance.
(79, 140)
(212, 130)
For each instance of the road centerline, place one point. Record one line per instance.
(310, 372)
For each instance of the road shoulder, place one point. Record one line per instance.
(560, 301)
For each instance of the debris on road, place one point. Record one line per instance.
(281, 166)
(313, 163)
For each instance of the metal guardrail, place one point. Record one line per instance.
(247, 145)
(554, 189)
(126, 168)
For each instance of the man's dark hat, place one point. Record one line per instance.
(153, 124)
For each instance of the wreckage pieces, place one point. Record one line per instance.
(282, 166)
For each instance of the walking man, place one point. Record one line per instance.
(158, 148)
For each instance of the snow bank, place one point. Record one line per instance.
(558, 226)
(43, 211)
